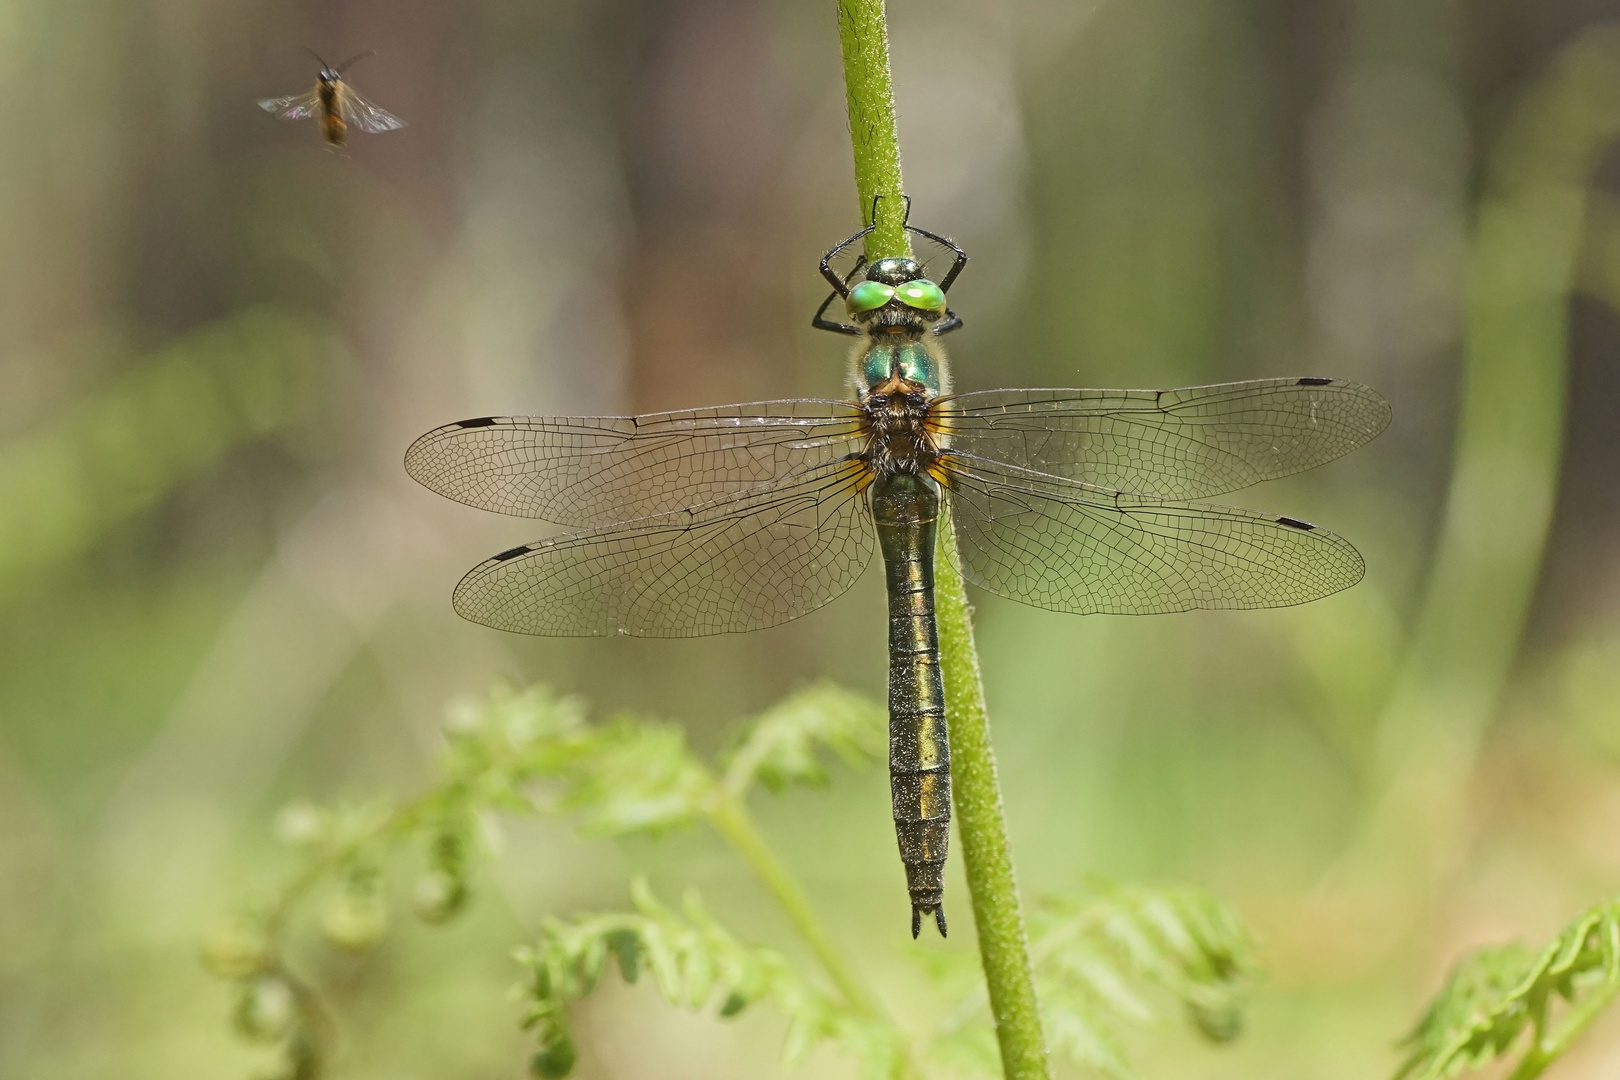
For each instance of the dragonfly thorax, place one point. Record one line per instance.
(899, 436)
(909, 358)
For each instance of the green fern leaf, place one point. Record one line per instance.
(632, 777)
(696, 964)
(1094, 954)
(780, 748)
(1495, 994)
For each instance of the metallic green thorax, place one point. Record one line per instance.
(913, 359)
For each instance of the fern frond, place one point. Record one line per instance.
(1094, 955)
(696, 964)
(632, 776)
(1495, 994)
(779, 748)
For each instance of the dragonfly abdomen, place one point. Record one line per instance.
(905, 509)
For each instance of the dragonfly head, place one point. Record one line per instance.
(896, 298)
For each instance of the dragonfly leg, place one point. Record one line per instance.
(840, 285)
(956, 266)
(821, 322)
(953, 321)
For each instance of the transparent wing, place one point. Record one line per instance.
(1066, 546)
(1179, 444)
(360, 113)
(739, 564)
(293, 106)
(585, 471)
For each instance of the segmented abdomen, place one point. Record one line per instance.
(905, 509)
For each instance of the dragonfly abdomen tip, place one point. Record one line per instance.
(919, 910)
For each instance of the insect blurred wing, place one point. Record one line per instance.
(1192, 443)
(587, 471)
(1066, 546)
(294, 106)
(739, 564)
(358, 112)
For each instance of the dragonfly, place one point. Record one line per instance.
(335, 104)
(734, 518)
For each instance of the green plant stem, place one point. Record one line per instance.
(1003, 944)
(863, 33)
(732, 820)
(986, 854)
(730, 817)
(1549, 1048)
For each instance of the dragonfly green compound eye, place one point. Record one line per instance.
(869, 296)
(921, 294)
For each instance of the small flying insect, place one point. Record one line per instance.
(335, 104)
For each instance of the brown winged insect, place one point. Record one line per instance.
(335, 104)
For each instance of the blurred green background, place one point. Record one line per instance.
(219, 591)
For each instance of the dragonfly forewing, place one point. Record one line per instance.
(1192, 443)
(586, 471)
(1067, 546)
(737, 564)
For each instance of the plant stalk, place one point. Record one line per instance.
(986, 854)
(982, 824)
(863, 33)
(732, 820)
(1549, 1048)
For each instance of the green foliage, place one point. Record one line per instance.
(780, 748)
(530, 751)
(695, 963)
(1091, 952)
(1495, 994)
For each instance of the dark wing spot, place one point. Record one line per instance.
(482, 421)
(1292, 523)
(522, 548)
(1314, 380)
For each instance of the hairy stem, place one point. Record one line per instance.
(863, 32)
(986, 854)
(1003, 944)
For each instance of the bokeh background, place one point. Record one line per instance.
(219, 591)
